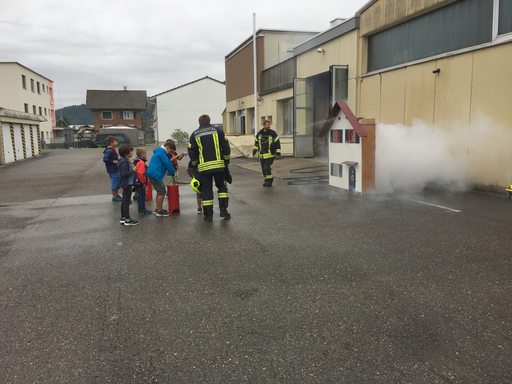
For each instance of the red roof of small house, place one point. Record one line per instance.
(341, 105)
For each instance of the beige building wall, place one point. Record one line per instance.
(14, 96)
(339, 51)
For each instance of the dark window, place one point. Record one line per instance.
(26, 108)
(106, 115)
(505, 18)
(351, 136)
(337, 136)
(40, 111)
(38, 87)
(32, 85)
(462, 24)
(24, 81)
(34, 110)
(337, 170)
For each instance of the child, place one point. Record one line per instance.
(141, 181)
(127, 173)
(110, 157)
(192, 172)
(174, 157)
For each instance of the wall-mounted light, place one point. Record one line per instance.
(438, 70)
(260, 99)
(320, 50)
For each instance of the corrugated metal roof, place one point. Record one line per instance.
(116, 100)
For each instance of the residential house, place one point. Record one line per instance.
(117, 107)
(180, 107)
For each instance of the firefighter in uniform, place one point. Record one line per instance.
(267, 144)
(209, 152)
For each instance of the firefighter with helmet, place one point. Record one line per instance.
(209, 152)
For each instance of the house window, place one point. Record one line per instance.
(40, 111)
(34, 110)
(38, 87)
(337, 170)
(45, 112)
(351, 136)
(288, 116)
(32, 85)
(26, 108)
(43, 88)
(106, 115)
(24, 81)
(127, 115)
(505, 17)
(336, 135)
(459, 25)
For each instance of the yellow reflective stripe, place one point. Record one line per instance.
(216, 164)
(201, 158)
(267, 156)
(207, 203)
(223, 195)
(216, 145)
(190, 145)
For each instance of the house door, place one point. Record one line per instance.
(352, 179)
(339, 84)
(303, 118)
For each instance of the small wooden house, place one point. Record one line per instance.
(351, 150)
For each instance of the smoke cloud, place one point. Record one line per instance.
(456, 156)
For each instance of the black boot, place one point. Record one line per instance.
(208, 218)
(224, 213)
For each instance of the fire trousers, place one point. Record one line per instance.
(266, 169)
(206, 181)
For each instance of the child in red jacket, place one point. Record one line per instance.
(141, 182)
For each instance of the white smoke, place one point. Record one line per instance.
(457, 156)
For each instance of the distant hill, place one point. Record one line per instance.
(76, 115)
(79, 115)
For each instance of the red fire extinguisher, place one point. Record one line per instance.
(173, 194)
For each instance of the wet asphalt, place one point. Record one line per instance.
(305, 284)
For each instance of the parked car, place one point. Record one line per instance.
(102, 140)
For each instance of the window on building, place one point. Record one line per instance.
(505, 17)
(34, 110)
(26, 108)
(106, 115)
(32, 85)
(336, 135)
(24, 81)
(40, 111)
(127, 115)
(459, 25)
(45, 112)
(351, 136)
(288, 116)
(38, 87)
(337, 170)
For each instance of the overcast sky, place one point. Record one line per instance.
(153, 45)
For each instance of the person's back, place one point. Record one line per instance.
(209, 152)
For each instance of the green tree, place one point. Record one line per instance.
(179, 136)
(62, 122)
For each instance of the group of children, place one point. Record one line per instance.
(133, 176)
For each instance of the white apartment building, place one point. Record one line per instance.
(26, 91)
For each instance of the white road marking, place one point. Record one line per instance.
(432, 205)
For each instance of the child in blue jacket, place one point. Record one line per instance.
(110, 158)
(156, 172)
(127, 175)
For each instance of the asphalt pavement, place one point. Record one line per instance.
(305, 284)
